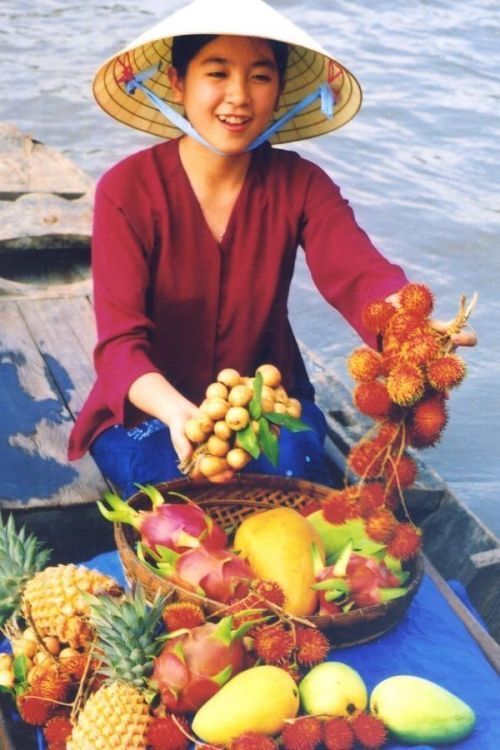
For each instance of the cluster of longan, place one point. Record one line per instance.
(234, 418)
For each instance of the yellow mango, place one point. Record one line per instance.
(277, 545)
(259, 699)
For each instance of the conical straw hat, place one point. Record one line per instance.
(309, 65)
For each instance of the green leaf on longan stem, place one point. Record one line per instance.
(285, 420)
(248, 440)
(255, 405)
(268, 442)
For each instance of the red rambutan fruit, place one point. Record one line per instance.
(164, 733)
(390, 435)
(253, 741)
(377, 315)
(371, 497)
(34, 710)
(57, 729)
(369, 730)
(50, 684)
(427, 421)
(56, 746)
(182, 615)
(338, 506)
(273, 643)
(405, 542)
(405, 384)
(302, 734)
(446, 372)
(74, 667)
(402, 325)
(417, 298)
(271, 592)
(364, 364)
(366, 459)
(372, 399)
(380, 525)
(401, 472)
(337, 734)
(421, 347)
(311, 646)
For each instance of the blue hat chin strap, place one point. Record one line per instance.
(323, 92)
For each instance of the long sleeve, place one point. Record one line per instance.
(345, 266)
(121, 281)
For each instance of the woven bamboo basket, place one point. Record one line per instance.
(228, 505)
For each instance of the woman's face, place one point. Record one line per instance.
(230, 91)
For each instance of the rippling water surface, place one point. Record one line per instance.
(419, 164)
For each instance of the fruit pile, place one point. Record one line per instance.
(239, 419)
(249, 676)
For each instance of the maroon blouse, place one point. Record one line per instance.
(169, 298)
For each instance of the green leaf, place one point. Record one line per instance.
(248, 440)
(268, 442)
(20, 668)
(255, 405)
(285, 420)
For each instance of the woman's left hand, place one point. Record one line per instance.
(465, 337)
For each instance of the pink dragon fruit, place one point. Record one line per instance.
(195, 663)
(219, 574)
(173, 525)
(354, 580)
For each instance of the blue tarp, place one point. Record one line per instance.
(429, 642)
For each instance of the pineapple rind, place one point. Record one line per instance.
(56, 599)
(116, 717)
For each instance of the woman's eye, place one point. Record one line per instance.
(262, 77)
(216, 74)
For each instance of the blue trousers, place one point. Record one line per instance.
(144, 454)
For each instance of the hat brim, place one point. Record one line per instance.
(308, 67)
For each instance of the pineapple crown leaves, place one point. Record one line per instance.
(127, 635)
(21, 556)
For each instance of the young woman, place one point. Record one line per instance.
(195, 239)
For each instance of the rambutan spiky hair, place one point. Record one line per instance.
(405, 384)
(377, 316)
(417, 298)
(364, 364)
(369, 730)
(253, 741)
(372, 399)
(380, 525)
(304, 733)
(273, 643)
(164, 733)
(405, 542)
(311, 646)
(446, 372)
(337, 734)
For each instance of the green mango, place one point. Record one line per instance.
(419, 711)
(336, 536)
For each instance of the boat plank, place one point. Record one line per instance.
(44, 372)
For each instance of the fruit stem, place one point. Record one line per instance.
(120, 511)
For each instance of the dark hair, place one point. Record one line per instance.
(184, 48)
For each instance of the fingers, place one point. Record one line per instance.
(465, 337)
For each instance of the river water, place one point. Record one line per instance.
(419, 164)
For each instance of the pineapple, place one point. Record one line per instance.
(55, 600)
(21, 556)
(117, 716)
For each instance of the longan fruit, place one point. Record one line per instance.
(294, 408)
(217, 447)
(280, 408)
(212, 465)
(280, 395)
(240, 395)
(270, 375)
(205, 422)
(229, 377)
(237, 458)
(194, 431)
(216, 408)
(216, 390)
(267, 405)
(237, 417)
(268, 393)
(222, 430)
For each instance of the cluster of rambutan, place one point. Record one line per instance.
(404, 388)
(311, 733)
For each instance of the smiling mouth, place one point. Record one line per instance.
(233, 119)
